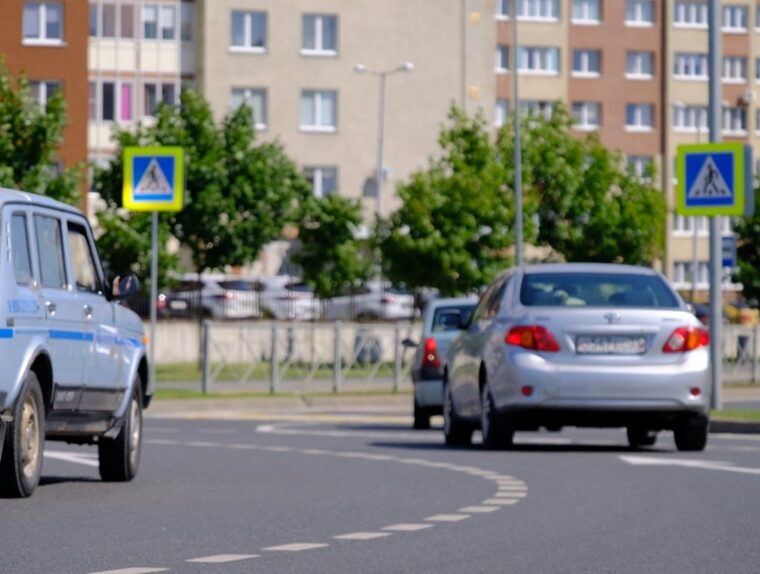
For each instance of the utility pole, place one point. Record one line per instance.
(517, 161)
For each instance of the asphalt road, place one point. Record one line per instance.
(354, 490)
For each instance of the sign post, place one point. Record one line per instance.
(154, 180)
(715, 180)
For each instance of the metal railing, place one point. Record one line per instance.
(279, 356)
(741, 351)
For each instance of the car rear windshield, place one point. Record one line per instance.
(236, 285)
(448, 318)
(595, 290)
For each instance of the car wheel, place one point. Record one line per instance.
(421, 417)
(21, 465)
(119, 457)
(638, 437)
(456, 431)
(497, 433)
(691, 434)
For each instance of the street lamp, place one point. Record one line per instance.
(362, 69)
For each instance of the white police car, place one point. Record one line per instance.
(74, 360)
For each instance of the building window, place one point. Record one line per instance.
(127, 23)
(639, 117)
(249, 31)
(690, 14)
(256, 99)
(543, 108)
(92, 101)
(155, 93)
(150, 22)
(502, 59)
(683, 273)
(587, 63)
(323, 180)
(538, 9)
(320, 35)
(587, 115)
(109, 21)
(689, 118)
(187, 21)
(502, 112)
(538, 60)
(502, 9)
(639, 65)
(757, 121)
(107, 101)
(586, 12)
(168, 22)
(734, 18)
(43, 22)
(639, 13)
(735, 69)
(640, 166)
(319, 110)
(734, 121)
(690, 66)
(41, 91)
(683, 225)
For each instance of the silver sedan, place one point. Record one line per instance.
(591, 345)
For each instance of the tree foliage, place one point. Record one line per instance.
(453, 228)
(239, 194)
(331, 256)
(748, 252)
(30, 136)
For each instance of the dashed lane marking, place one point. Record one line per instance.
(501, 494)
(201, 443)
(296, 547)
(447, 517)
(407, 527)
(478, 509)
(223, 558)
(163, 441)
(501, 501)
(362, 535)
(132, 571)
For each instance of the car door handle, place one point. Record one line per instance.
(88, 311)
(51, 307)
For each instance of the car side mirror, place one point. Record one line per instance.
(125, 286)
(409, 344)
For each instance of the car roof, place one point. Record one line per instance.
(589, 268)
(15, 196)
(452, 301)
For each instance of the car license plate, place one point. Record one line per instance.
(178, 305)
(610, 345)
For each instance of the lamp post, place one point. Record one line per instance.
(382, 74)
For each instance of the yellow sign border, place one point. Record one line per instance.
(735, 148)
(127, 195)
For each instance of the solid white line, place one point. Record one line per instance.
(409, 527)
(362, 535)
(162, 441)
(278, 448)
(478, 509)
(501, 501)
(132, 571)
(689, 463)
(447, 517)
(71, 457)
(202, 443)
(222, 558)
(295, 547)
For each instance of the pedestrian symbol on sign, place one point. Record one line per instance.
(153, 181)
(709, 183)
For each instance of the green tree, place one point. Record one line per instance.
(454, 226)
(239, 195)
(747, 231)
(331, 256)
(30, 136)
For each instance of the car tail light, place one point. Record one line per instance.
(430, 354)
(533, 337)
(686, 339)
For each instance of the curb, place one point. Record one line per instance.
(735, 427)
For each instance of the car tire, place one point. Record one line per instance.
(456, 431)
(119, 458)
(496, 431)
(21, 465)
(691, 434)
(639, 437)
(421, 417)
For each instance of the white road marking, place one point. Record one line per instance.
(278, 448)
(447, 517)
(688, 463)
(735, 436)
(511, 488)
(265, 428)
(295, 547)
(202, 443)
(132, 571)
(243, 446)
(501, 494)
(408, 527)
(223, 558)
(71, 457)
(501, 501)
(162, 441)
(362, 535)
(478, 509)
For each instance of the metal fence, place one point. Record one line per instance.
(741, 351)
(291, 356)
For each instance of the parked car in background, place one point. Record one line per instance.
(285, 297)
(579, 345)
(215, 297)
(441, 323)
(373, 301)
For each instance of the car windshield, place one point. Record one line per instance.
(596, 290)
(236, 285)
(448, 318)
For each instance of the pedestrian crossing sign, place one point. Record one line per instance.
(713, 179)
(154, 178)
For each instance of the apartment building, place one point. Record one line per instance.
(47, 41)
